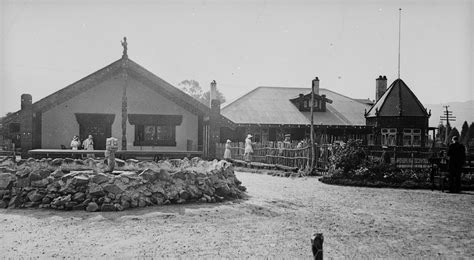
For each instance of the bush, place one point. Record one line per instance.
(349, 156)
(349, 165)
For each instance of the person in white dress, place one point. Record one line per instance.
(227, 153)
(88, 144)
(75, 143)
(248, 151)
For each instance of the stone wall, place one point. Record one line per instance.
(68, 184)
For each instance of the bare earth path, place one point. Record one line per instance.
(276, 221)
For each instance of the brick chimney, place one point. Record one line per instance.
(215, 102)
(315, 85)
(214, 120)
(26, 124)
(26, 101)
(380, 87)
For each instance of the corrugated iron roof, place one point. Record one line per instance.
(272, 105)
(398, 100)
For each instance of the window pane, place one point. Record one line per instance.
(150, 133)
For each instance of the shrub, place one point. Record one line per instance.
(348, 157)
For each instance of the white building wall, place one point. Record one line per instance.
(59, 123)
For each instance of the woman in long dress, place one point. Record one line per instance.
(248, 148)
(227, 153)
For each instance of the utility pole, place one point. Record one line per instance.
(447, 116)
(313, 85)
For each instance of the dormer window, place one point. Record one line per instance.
(303, 102)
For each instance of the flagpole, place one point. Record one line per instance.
(399, 37)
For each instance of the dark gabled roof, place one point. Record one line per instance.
(272, 105)
(135, 71)
(397, 101)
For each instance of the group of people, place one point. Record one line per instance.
(87, 144)
(111, 147)
(248, 150)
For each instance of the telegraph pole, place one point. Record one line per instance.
(313, 85)
(447, 116)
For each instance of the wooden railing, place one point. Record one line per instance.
(286, 154)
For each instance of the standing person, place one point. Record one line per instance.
(385, 155)
(88, 144)
(111, 146)
(227, 153)
(75, 143)
(248, 148)
(457, 157)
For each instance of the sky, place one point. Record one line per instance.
(47, 45)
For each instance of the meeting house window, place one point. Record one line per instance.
(411, 137)
(389, 136)
(155, 130)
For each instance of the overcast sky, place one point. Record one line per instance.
(47, 45)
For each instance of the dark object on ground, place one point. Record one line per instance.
(317, 246)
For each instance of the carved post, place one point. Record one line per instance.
(124, 95)
(317, 246)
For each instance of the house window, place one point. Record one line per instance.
(411, 137)
(155, 135)
(316, 103)
(370, 139)
(389, 136)
(155, 130)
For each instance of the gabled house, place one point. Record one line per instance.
(268, 113)
(123, 100)
(398, 118)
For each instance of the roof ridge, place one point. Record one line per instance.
(423, 109)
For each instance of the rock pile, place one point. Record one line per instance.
(68, 184)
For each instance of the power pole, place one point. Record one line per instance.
(448, 117)
(313, 85)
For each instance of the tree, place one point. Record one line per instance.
(470, 134)
(192, 88)
(453, 132)
(206, 97)
(464, 133)
(441, 133)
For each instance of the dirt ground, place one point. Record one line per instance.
(277, 220)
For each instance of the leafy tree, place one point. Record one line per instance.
(206, 97)
(192, 88)
(470, 134)
(447, 139)
(464, 133)
(441, 132)
(453, 132)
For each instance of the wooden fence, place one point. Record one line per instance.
(278, 153)
(286, 154)
(406, 159)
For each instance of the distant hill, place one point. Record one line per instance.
(463, 111)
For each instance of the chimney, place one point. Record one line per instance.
(26, 124)
(315, 86)
(215, 102)
(301, 102)
(214, 128)
(323, 103)
(380, 87)
(26, 101)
